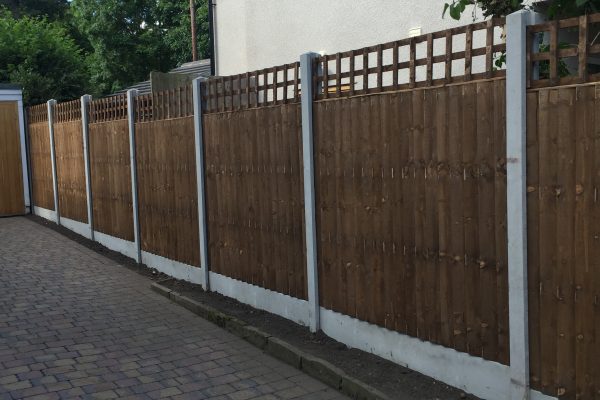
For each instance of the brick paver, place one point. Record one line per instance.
(74, 324)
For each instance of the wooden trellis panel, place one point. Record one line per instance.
(549, 49)
(433, 59)
(265, 87)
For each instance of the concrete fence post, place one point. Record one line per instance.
(51, 104)
(131, 94)
(85, 100)
(200, 181)
(516, 200)
(312, 273)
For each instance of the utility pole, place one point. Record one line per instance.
(193, 23)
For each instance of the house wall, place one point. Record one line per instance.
(253, 34)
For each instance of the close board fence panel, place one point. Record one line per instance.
(110, 167)
(166, 171)
(563, 240)
(255, 198)
(40, 157)
(70, 166)
(411, 216)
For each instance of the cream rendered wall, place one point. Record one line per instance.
(253, 34)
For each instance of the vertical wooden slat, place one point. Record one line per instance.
(352, 77)
(583, 48)
(325, 76)
(338, 74)
(411, 62)
(489, 52)
(554, 59)
(429, 58)
(395, 57)
(379, 67)
(448, 63)
(296, 80)
(365, 70)
(468, 52)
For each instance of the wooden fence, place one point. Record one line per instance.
(40, 157)
(110, 167)
(70, 168)
(411, 210)
(255, 198)
(410, 180)
(563, 240)
(166, 169)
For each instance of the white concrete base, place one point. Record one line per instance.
(50, 215)
(485, 379)
(77, 227)
(172, 268)
(535, 395)
(119, 245)
(264, 299)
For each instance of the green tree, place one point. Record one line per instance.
(500, 8)
(174, 16)
(52, 9)
(42, 57)
(131, 38)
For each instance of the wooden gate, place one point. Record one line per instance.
(11, 172)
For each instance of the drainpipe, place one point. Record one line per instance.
(211, 37)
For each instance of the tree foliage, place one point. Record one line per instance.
(501, 8)
(42, 57)
(130, 38)
(114, 43)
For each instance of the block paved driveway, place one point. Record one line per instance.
(75, 324)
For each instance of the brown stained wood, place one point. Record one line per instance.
(470, 211)
(323, 148)
(468, 52)
(165, 161)
(459, 302)
(251, 237)
(70, 170)
(564, 290)
(408, 211)
(583, 48)
(443, 213)
(418, 176)
(553, 53)
(533, 252)
(548, 176)
(387, 232)
(12, 200)
(583, 267)
(335, 166)
(485, 173)
(41, 165)
(392, 196)
(375, 202)
(110, 171)
(448, 61)
(430, 235)
(501, 264)
(593, 238)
